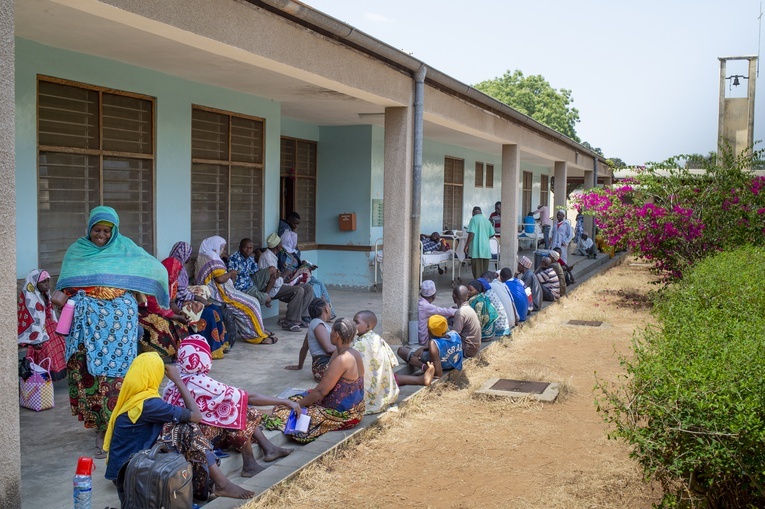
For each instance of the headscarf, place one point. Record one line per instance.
(120, 263)
(31, 310)
(174, 268)
(485, 283)
(289, 241)
(140, 383)
(212, 247)
(181, 251)
(221, 405)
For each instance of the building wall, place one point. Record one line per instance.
(173, 100)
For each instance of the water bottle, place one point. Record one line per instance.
(65, 320)
(83, 483)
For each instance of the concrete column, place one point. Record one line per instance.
(589, 221)
(561, 169)
(10, 458)
(511, 167)
(397, 194)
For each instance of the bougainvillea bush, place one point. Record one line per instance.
(673, 217)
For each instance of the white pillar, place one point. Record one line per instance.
(511, 163)
(561, 169)
(397, 194)
(589, 221)
(10, 458)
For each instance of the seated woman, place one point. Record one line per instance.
(503, 326)
(211, 271)
(483, 307)
(317, 340)
(141, 417)
(211, 324)
(37, 324)
(239, 425)
(163, 329)
(337, 403)
(289, 260)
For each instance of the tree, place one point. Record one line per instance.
(597, 150)
(616, 162)
(535, 97)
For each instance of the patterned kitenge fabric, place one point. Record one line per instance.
(246, 309)
(487, 313)
(380, 387)
(343, 408)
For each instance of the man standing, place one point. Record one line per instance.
(495, 218)
(480, 231)
(297, 297)
(562, 234)
(545, 222)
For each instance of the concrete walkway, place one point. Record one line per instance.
(51, 441)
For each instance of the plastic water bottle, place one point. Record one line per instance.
(65, 320)
(83, 483)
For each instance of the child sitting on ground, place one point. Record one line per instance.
(380, 382)
(317, 340)
(444, 349)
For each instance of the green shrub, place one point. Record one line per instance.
(692, 404)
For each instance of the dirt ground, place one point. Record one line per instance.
(452, 448)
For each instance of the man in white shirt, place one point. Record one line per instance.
(586, 247)
(297, 297)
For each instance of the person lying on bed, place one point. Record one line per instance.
(433, 243)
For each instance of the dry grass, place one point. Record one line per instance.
(454, 448)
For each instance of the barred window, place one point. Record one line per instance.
(95, 147)
(526, 196)
(478, 174)
(226, 176)
(544, 190)
(454, 176)
(489, 175)
(298, 185)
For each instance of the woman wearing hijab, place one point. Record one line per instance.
(227, 420)
(483, 307)
(210, 323)
(289, 259)
(211, 271)
(141, 417)
(37, 324)
(101, 272)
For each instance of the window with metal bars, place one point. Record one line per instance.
(526, 193)
(454, 177)
(226, 177)
(544, 190)
(298, 185)
(95, 147)
(489, 175)
(478, 174)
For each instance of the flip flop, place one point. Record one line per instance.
(292, 328)
(273, 341)
(99, 454)
(220, 453)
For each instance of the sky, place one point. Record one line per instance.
(644, 75)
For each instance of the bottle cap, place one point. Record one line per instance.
(85, 466)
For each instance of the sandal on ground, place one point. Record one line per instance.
(99, 453)
(270, 340)
(292, 327)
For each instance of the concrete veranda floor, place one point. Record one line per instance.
(51, 441)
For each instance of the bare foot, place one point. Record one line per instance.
(252, 470)
(427, 377)
(276, 453)
(231, 490)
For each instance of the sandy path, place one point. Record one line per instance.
(455, 449)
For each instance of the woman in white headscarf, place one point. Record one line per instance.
(211, 271)
(37, 324)
(289, 259)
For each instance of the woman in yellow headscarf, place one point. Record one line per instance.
(140, 417)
